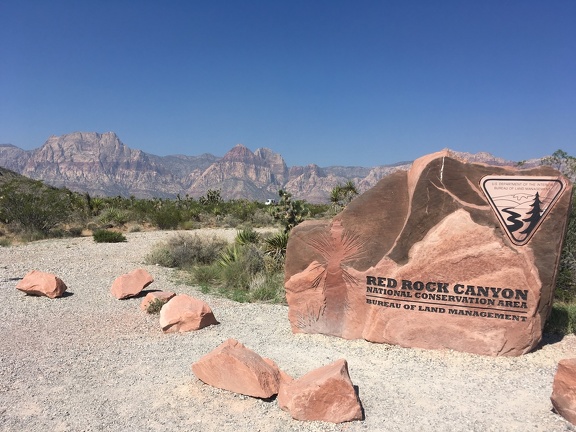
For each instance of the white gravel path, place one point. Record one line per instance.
(89, 362)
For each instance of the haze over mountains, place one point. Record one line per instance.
(101, 164)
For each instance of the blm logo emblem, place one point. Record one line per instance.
(521, 203)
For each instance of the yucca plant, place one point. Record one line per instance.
(229, 255)
(275, 246)
(247, 236)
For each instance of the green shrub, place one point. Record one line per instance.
(242, 273)
(262, 218)
(34, 206)
(288, 212)
(106, 236)
(32, 235)
(166, 217)
(566, 281)
(186, 250)
(155, 305)
(206, 276)
(114, 216)
(275, 246)
(247, 236)
(562, 319)
(268, 287)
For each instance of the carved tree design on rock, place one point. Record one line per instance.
(337, 248)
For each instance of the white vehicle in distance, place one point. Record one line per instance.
(270, 201)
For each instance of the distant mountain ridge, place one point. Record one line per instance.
(100, 164)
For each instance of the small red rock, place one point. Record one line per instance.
(184, 313)
(564, 390)
(232, 366)
(38, 283)
(325, 394)
(130, 284)
(156, 295)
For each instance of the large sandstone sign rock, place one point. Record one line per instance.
(449, 255)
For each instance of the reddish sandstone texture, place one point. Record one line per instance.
(232, 366)
(184, 313)
(39, 283)
(426, 259)
(325, 394)
(564, 390)
(131, 284)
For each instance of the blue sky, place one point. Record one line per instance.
(327, 82)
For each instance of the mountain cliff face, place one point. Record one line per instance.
(101, 164)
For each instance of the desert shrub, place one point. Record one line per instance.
(230, 221)
(164, 214)
(75, 231)
(242, 210)
(155, 305)
(342, 195)
(166, 217)
(239, 265)
(242, 273)
(262, 217)
(247, 236)
(31, 235)
(185, 250)
(318, 211)
(114, 216)
(275, 246)
(5, 242)
(562, 319)
(212, 197)
(288, 212)
(106, 236)
(188, 224)
(206, 276)
(268, 287)
(32, 206)
(566, 281)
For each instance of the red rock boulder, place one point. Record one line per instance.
(184, 313)
(324, 394)
(233, 367)
(564, 390)
(130, 284)
(38, 283)
(449, 255)
(162, 296)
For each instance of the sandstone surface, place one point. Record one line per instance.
(39, 283)
(564, 390)
(325, 394)
(131, 284)
(184, 313)
(234, 367)
(424, 260)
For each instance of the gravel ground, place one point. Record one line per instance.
(89, 362)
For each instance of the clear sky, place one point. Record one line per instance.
(330, 82)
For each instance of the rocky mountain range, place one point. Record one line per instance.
(102, 165)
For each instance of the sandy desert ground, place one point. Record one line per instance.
(89, 362)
